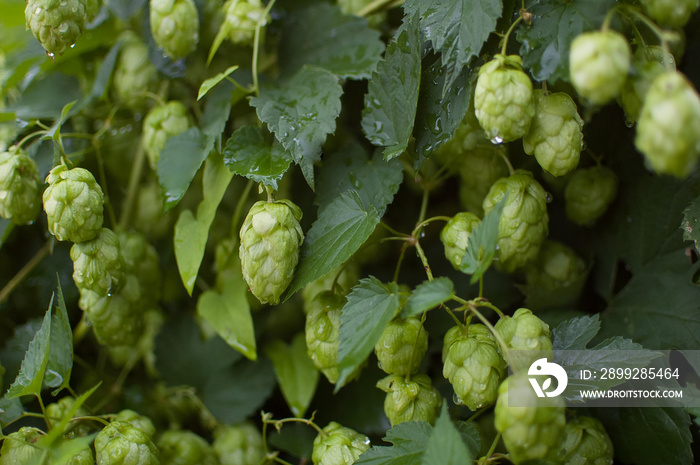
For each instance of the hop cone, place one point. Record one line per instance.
(142, 261)
(668, 130)
(401, 346)
(527, 337)
(585, 442)
(18, 449)
(83, 457)
(185, 448)
(57, 411)
(598, 65)
(647, 64)
(144, 348)
(136, 420)
(97, 263)
(555, 136)
(240, 444)
(455, 236)
(56, 24)
(269, 251)
(73, 204)
(241, 18)
(175, 26)
(121, 443)
(674, 13)
(589, 193)
(338, 445)
(468, 137)
(524, 223)
(414, 400)
(503, 99)
(349, 276)
(134, 74)
(531, 426)
(322, 332)
(160, 124)
(480, 168)
(20, 187)
(473, 364)
(149, 217)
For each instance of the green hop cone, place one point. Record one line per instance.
(598, 65)
(527, 338)
(668, 129)
(468, 137)
(57, 411)
(455, 236)
(322, 332)
(338, 445)
(589, 193)
(160, 124)
(555, 136)
(153, 320)
(97, 263)
(141, 422)
(149, 217)
(20, 187)
(503, 100)
(240, 444)
(531, 427)
(141, 260)
(524, 224)
(414, 400)
(401, 346)
(647, 64)
(18, 449)
(674, 13)
(56, 24)
(585, 443)
(121, 443)
(175, 26)
(83, 457)
(185, 448)
(269, 250)
(479, 169)
(134, 74)
(349, 276)
(73, 204)
(241, 18)
(473, 364)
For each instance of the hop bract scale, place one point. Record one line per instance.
(338, 445)
(56, 24)
(323, 331)
(413, 399)
(175, 26)
(20, 187)
(97, 263)
(17, 448)
(479, 170)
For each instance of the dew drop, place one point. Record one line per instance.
(497, 140)
(379, 365)
(72, 46)
(629, 122)
(549, 197)
(456, 399)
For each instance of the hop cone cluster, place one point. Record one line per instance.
(56, 24)
(175, 26)
(141, 422)
(269, 250)
(531, 426)
(17, 447)
(480, 168)
(57, 411)
(401, 346)
(73, 204)
(240, 444)
(647, 64)
(524, 223)
(674, 13)
(160, 124)
(414, 400)
(589, 193)
(134, 74)
(455, 236)
(97, 263)
(527, 338)
(241, 18)
(473, 364)
(121, 443)
(323, 332)
(585, 442)
(20, 187)
(668, 129)
(185, 448)
(598, 65)
(555, 136)
(503, 99)
(338, 445)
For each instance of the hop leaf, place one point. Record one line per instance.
(410, 400)
(401, 346)
(18, 448)
(73, 204)
(323, 332)
(647, 64)
(241, 18)
(134, 74)
(240, 444)
(455, 236)
(160, 124)
(56, 24)
(674, 13)
(586, 441)
(338, 445)
(121, 443)
(97, 263)
(175, 26)
(527, 335)
(20, 187)
(589, 193)
(185, 448)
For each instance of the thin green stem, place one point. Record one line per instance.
(402, 254)
(507, 36)
(496, 335)
(278, 423)
(608, 19)
(24, 272)
(483, 303)
(256, 44)
(29, 136)
(133, 187)
(492, 449)
(375, 6)
(238, 211)
(430, 220)
(424, 260)
(511, 170)
(392, 230)
(105, 190)
(481, 286)
(423, 206)
(454, 317)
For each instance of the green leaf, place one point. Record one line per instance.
(295, 438)
(322, 35)
(295, 372)
(342, 227)
(10, 410)
(60, 364)
(375, 180)
(210, 83)
(217, 111)
(101, 84)
(67, 449)
(56, 433)
(6, 227)
(456, 28)
(370, 307)
(46, 97)
(428, 295)
(555, 24)
(409, 442)
(248, 154)
(301, 112)
(691, 221)
(390, 104)
(470, 436)
(445, 446)
(575, 333)
(481, 246)
(55, 131)
(191, 233)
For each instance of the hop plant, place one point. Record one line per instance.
(322, 332)
(142, 261)
(589, 193)
(185, 448)
(137, 420)
(241, 18)
(410, 400)
(338, 445)
(668, 130)
(349, 276)
(56, 24)
(468, 137)
(175, 26)
(585, 442)
(144, 349)
(121, 443)
(674, 13)
(269, 250)
(525, 334)
(598, 65)
(480, 168)
(555, 136)
(401, 346)
(56, 411)
(148, 216)
(524, 223)
(531, 426)
(473, 364)
(97, 263)
(73, 204)
(240, 444)
(20, 187)
(82, 457)
(134, 74)
(503, 100)
(455, 236)
(18, 449)
(647, 64)
(162, 123)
